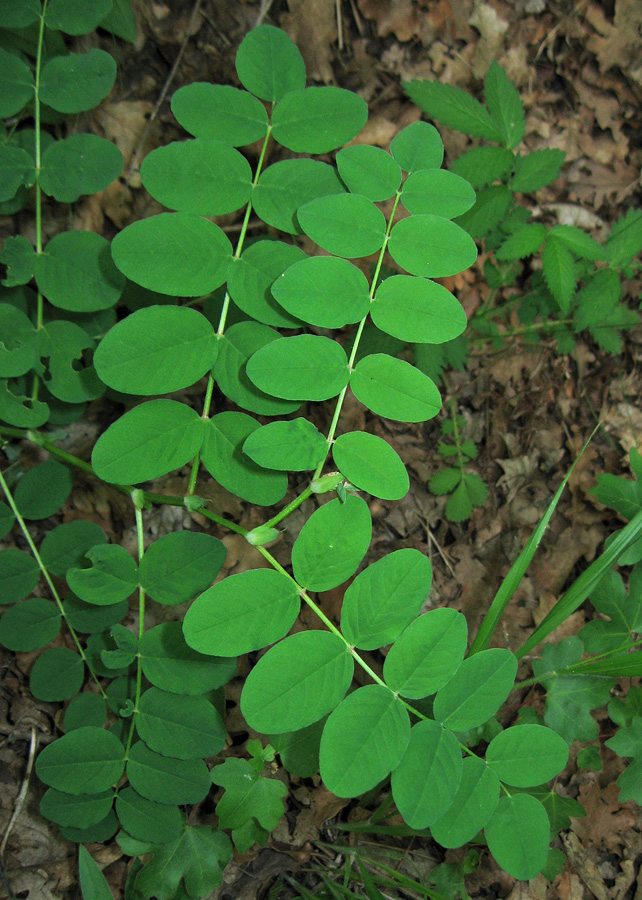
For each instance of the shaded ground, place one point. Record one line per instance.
(579, 72)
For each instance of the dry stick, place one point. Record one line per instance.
(263, 11)
(133, 163)
(23, 791)
(337, 4)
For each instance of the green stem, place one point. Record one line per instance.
(205, 416)
(38, 194)
(50, 584)
(285, 512)
(140, 539)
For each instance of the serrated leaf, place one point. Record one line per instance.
(536, 170)
(268, 64)
(504, 105)
(417, 310)
(491, 207)
(297, 682)
(332, 543)
(431, 246)
(477, 689)
(445, 481)
(318, 119)
(363, 740)
(385, 598)
(483, 165)
(394, 389)
(220, 112)
(581, 243)
(559, 272)
(303, 367)
(242, 613)
(371, 464)
(597, 299)
(346, 225)
(625, 240)
(524, 241)
(470, 492)
(453, 107)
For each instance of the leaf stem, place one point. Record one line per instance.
(140, 540)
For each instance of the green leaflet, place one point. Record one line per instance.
(303, 367)
(148, 820)
(81, 810)
(85, 709)
(268, 64)
(476, 691)
(394, 389)
(18, 341)
(253, 275)
(75, 17)
(473, 805)
(418, 146)
(527, 755)
(219, 112)
(77, 82)
(30, 625)
(171, 665)
(518, 835)
(323, 291)
(16, 84)
(438, 192)
(179, 725)
(179, 565)
(243, 612)
(297, 682)
(173, 253)
(346, 225)
(504, 105)
(539, 168)
(369, 171)
(417, 310)
(43, 490)
(101, 831)
(363, 740)
(86, 761)
(150, 440)
(223, 457)
(332, 543)
(156, 350)
(318, 119)
(166, 780)
(79, 164)
(425, 782)
(623, 609)
(93, 883)
(432, 246)
(385, 598)
(289, 446)
(299, 750)
(19, 15)
(208, 178)
(112, 578)
(57, 675)
(370, 463)
(427, 653)
(16, 168)
(251, 805)
(66, 545)
(559, 272)
(75, 272)
(454, 107)
(286, 185)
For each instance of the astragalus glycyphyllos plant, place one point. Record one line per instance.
(260, 329)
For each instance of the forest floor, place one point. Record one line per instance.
(578, 69)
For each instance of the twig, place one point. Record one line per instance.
(337, 4)
(23, 790)
(263, 11)
(133, 163)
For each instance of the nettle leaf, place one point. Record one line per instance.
(242, 613)
(483, 165)
(303, 367)
(112, 578)
(477, 689)
(474, 804)
(77, 165)
(236, 347)
(369, 171)
(491, 207)
(370, 463)
(16, 168)
(504, 105)
(470, 492)
(597, 299)
(332, 543)
(16, 84)
(268, 64)
(18, 342)
(297, 682)
(30, 625)
(179, 725)
(619, 493)
(427, 653)
(518, 835)
(453, 107)
(418, 146)
(179, 565)
(253, 275)
(82, 810)
(20, 574)
(77, 82)
(219, 112)
(570, 699)
(536, 170)
(385, 598)
(165, 779)
(248, 799)
(286, 185)
(559, 272)
(625, 241)
(223, 457)
(74, 16)
(578, 241)
(85, 761)
(438, 192)
(156, 350)
(417, 310)
(208, 178)
(431, 246)
(147, 820)
(289, 446)
(524, 241)
(66, 545)
(174, 253)
(198, 856)
(148, 441)
(395, 389)
(43, 490)
(324, 291)
(527, 755)
(445, 481)
(57, 675)
(346, 225)
(624, 611)
(171, 665)
(75, 272)
(85, 709)
(318, 119)
(363, 740)
(425, 782)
